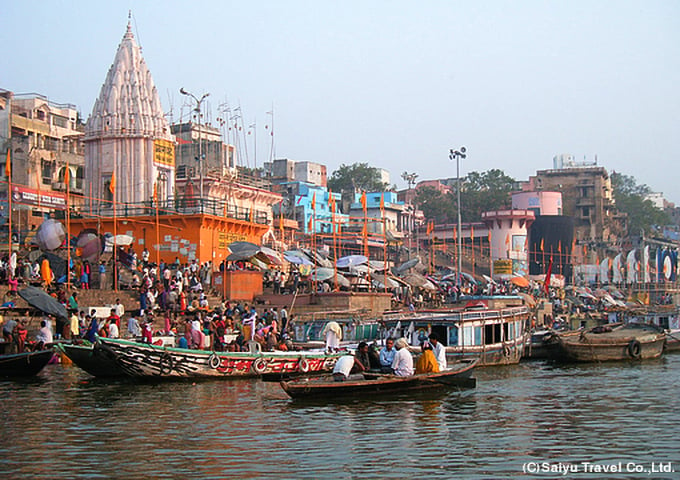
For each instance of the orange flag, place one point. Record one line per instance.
(363, 200)
(472, 233)
(155, 191)
(112, 185)
(382, 203)
(8, 165)
(507, 240)
(541, 244)
(310, 225)
(314, 201)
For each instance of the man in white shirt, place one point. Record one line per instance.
(403, 360)
(439, 351)
(346, 365)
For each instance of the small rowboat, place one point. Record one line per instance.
(154, 361)
(459, 374)
(26, 364)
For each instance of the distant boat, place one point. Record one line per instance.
(497, 336)
(457, 375)
(27, 364)
(609, 343)
(153, 361)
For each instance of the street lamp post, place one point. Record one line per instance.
(457, 155)
(200, 149)
(410, 179)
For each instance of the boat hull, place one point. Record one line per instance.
(152, 361)
(618, 345)
(26, 364)
(459, 375)
(95, 360)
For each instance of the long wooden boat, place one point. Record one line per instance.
(606, 343)
(93, 359)
(152, 361)
(458, 374)
(496, 336)
(27, 364)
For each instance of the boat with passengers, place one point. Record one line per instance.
(494, 329)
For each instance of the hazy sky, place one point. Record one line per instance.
(392, 83)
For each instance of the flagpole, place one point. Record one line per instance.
(331, 202)
(8, 173)
(382, 211)
(158, 227)
(67, 179)
(112, 188)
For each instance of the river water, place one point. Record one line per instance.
(519, 419)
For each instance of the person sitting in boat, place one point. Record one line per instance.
(363, 356)
(44, 336)
(439, 351)
(427, 362)
(403, 360)
(346, 365)
(387, 354)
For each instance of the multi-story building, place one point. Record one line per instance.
(283, 170)
(45, 140)
(196, 141)
(587, 196)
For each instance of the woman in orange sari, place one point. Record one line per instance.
(427, 362)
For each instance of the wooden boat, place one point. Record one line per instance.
(608, 343)
(458, 374)
(154, 361)
(664, 317)
(93, 359)
(27, 364)
(543, 343)
(496, 336)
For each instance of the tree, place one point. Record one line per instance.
(357, 176)
(630, 199)
(485, 192)
(435, 205)
(480, 192)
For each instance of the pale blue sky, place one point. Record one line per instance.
(392, 83)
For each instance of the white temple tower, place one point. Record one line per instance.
(127, 135)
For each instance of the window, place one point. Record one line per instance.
(47, 170)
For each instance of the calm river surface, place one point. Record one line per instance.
(65, 424)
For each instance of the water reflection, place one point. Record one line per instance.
(67, 424)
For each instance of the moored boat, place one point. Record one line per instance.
(496, 336)
(27, 364)
(93, 359)
(153, 361)
(459, 374)
(610, 343)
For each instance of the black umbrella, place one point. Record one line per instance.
(37, 298)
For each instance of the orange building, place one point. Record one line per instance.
(202, 237)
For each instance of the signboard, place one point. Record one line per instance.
(502, 267)
(224, 239)
(29, 196)
(164, 153)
